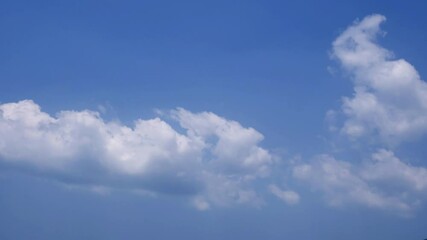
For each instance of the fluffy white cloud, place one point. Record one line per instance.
(235, 148)
(214, 161)
(390, 99)
(389, 103)
(383, 182)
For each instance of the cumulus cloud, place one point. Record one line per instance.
(235, 148)
(386, 168)
(383, 182)
(213, 161)
(389, 104)
(390, 99)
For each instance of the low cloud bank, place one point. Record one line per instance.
(211, 159)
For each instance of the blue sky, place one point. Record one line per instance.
(213, 120)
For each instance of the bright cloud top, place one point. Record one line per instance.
(213, 161)
(390, 98)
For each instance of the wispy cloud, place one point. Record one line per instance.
(287, 196)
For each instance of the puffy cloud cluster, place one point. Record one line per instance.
(213, 160)
(390, 99)
(383, 182)
(389, 103)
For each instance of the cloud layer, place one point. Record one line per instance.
(208, 158)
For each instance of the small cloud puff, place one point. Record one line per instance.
(287, 196)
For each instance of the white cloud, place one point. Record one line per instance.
(389, 104)
(215, 160)
(288, 196)
(390, 99)
(386, 168)
(236, 148)
(384, 182)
